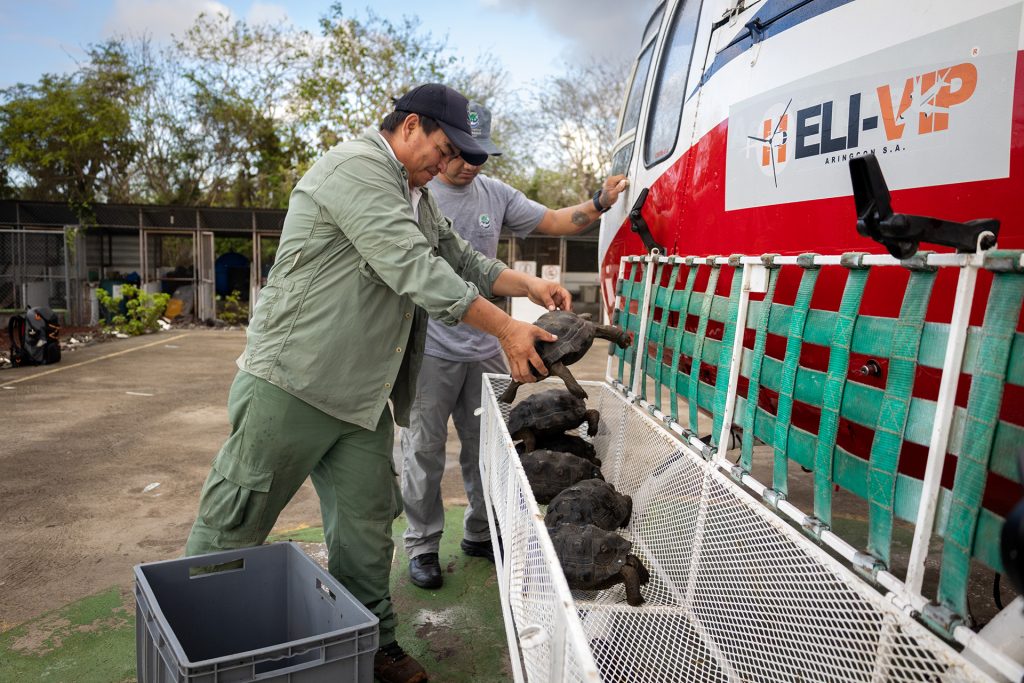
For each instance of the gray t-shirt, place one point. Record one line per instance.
(478, 211)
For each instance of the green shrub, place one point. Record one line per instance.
(232, 310)
(142, 310)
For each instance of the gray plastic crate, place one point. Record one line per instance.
(267, 613)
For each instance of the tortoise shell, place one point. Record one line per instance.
(575, 336)
(567, 443)
(547, 413)
(595, 559)
(591, 501)
(551, 471)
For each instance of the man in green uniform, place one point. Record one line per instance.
(338, 331)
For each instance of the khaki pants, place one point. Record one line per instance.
(444, 388)
(277, 441)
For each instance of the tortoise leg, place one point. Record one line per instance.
(529, 440)
(559, 369)
(641, 570)
(632, 581)
(593, 418)
(614, 334)
(509, 394)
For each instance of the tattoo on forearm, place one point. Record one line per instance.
(580, 218)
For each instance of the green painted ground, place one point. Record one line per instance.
(456, 632)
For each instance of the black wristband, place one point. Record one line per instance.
(597, 202)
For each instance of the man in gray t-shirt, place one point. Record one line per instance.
(455, 358)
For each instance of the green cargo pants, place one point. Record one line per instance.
(277, 441)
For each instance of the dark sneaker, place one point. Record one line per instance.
(392, 665)
(482, 549)
(425, 571)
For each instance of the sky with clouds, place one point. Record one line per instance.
(533, 39)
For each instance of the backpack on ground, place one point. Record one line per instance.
(34, 337)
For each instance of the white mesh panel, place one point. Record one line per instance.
(735, 593)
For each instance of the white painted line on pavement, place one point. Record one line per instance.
(92, 360)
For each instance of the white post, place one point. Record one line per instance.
(944, 407)
(640, 359)
(735, 361)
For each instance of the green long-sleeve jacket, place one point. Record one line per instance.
(341, 321)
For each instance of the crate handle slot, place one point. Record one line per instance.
(198, 571)
(322, 587)
(277, 673)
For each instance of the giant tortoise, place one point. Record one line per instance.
(551, 471)
(595, 559)
(591, 501)
(575, 334)
(547, 414)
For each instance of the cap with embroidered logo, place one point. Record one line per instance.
(480, 125)
(451, 110)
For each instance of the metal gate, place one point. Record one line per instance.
(206, 307)
(33, 270)
(180, 258)
(264, 255)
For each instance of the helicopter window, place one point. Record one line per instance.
(632, 114)
(670, 86)
(653, 24)
(620, 160)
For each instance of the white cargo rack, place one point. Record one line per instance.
(745, 586)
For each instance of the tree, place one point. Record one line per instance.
(67, 138)
(171, 166)
(574, 123)
(233, 113)
(242, 80)
(486, 81)
(357, 68)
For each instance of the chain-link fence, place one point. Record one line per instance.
(33, 270)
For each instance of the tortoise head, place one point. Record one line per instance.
(610, 550)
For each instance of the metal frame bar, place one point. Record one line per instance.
(945, 405)
(734, 361)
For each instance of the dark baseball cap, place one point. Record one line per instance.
(451, 110)
(480, 125)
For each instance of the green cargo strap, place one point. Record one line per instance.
(790, 365)
(724, 369)
(660, 368)
(983, 404)
(683, 308)
(645, 358)
(892, 414)
(620, 317)
(633, 290)
(835, 383)
(757, 359)
(698, 342)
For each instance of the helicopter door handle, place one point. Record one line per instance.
(638, 225)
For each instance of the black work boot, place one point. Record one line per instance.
(425, 571)
(482, 549)
(392, 665)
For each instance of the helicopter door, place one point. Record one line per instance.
(623, 159)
